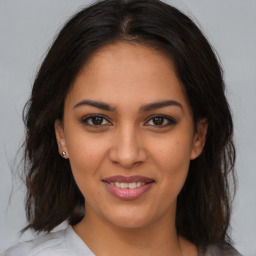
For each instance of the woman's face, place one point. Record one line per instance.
(129, 135)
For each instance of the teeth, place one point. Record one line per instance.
(124, 185)
(117, 184)
(131, 185)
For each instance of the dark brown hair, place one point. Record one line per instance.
(203, 209)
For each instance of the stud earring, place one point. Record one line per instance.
(63, 153)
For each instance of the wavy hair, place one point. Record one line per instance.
(203, 207)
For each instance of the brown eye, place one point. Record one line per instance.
(95, 120)
(161, 121)
(158, 120)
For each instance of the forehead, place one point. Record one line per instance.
(131, 73)
(124, 57)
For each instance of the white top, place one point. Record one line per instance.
(62, 243)
(67, 243)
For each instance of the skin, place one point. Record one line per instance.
(130, 142)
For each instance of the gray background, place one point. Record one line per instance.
(27, 27)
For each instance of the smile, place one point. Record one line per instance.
(128, 188)
(131, 185)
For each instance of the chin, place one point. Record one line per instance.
(129, 223)
(130, 219)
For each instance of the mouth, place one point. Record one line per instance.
(130, 185)
(128, 188)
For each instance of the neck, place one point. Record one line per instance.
(104, 238)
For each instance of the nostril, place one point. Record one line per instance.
(127, 153)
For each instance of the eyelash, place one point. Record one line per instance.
(167, 119)
(86, 119)
(170, 121)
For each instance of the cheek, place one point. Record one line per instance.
(85, 156)
(173, 152)
(85, 159)
(172, 156)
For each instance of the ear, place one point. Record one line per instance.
(199, 138)
(60, 137)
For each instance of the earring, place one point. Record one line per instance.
(63, 153)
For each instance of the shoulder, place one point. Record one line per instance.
(223, 249)
(49, 244)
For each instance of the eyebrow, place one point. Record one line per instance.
(96, 104)
(145, 108)
(160, 104)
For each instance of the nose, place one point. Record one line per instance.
(127, 148)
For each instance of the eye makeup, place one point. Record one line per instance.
(157, 120)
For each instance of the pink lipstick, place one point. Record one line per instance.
(128, 188)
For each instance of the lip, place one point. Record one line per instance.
(125, 179)
(127, 193)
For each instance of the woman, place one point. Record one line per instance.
(129, 138)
